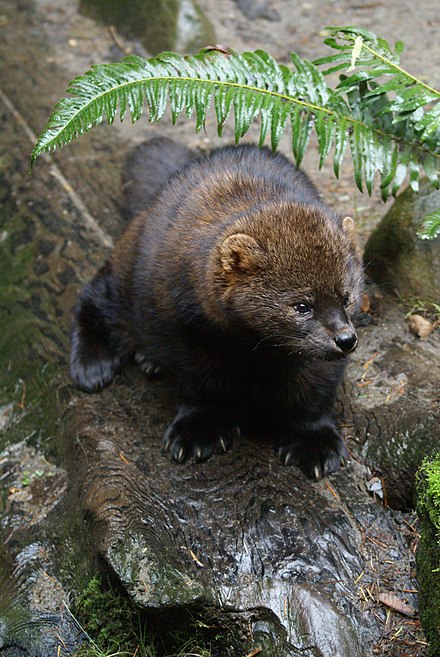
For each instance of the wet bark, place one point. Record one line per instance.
(390, 400)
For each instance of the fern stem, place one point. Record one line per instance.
(401, 70)
(396, 67)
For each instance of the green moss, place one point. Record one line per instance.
(432, 473)
(31, 339)
(31, 383)
(115, 626)
(428, 555)
(109, 620)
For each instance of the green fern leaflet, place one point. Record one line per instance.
(430, 226)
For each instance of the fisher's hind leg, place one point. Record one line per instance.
(94, 359)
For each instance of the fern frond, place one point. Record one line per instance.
(390, 135)
(430, 226)
(383, 95)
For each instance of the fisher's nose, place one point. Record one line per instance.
(346, 341)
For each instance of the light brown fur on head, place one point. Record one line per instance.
(289, 255)
(241, 254)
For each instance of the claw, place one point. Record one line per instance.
(287, 458)
(198, 453)
(180, 455)
(223, 444)
(317, 473)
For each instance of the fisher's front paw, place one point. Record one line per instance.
(317, 451)
(198, 433)
(151, 369)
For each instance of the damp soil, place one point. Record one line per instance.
(52, 240)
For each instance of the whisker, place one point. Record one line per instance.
(267, 337)
(373, 286)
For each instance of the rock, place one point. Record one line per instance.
(396, 258)
(420, 326)
(178, 25)
(258, 9)
(428, 553)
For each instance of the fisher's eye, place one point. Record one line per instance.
(302, 307)
(346, 301)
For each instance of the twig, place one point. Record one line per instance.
(255, 652)
(198, 562)
(376, 542)
(123, 459)
(89, 221)
(332, 491)
(119, 40)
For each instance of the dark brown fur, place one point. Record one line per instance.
(238, 280)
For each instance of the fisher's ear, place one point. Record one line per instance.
(349, 229)
(348, 226)
(241, 253)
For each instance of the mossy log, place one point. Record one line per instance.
(241, 536)
(428, 553)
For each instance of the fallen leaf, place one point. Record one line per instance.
(365, 303)
(392, 601)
